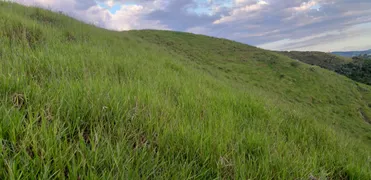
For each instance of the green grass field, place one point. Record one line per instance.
(79, 102)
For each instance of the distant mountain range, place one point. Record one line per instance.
(352, 53)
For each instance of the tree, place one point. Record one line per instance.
(359, 69)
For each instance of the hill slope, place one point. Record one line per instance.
(80, 102)
(321, 59)
(269, 75)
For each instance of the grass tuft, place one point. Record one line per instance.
(20, 33)
(295, 64)
(43, 17)
(69, 36)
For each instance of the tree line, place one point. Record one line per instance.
(359, 69)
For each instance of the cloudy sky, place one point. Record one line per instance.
(324, 25)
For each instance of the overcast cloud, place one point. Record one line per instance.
(325, 25)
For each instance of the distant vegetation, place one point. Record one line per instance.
(359, 69)
(80, 102)
(352, 53)
(321, 59)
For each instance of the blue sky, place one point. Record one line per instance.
(112, 9)
(322, 25)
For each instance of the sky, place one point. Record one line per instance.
(305, 25)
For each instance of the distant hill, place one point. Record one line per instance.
(322, 59)
(352, 53)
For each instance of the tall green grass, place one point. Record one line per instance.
(78, 102)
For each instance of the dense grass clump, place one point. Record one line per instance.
(20, 33)
(87, 103)
(44, 17)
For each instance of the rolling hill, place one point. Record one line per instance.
(79, 102)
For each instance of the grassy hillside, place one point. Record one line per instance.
(78, 102)
(324, 60)
(270, 76)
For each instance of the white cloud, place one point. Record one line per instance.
(261, 2)
(276, 24)
(347, 39)
(242, 12)
(110, 3)
(306, 6)
(126, 18)
(130, 17)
